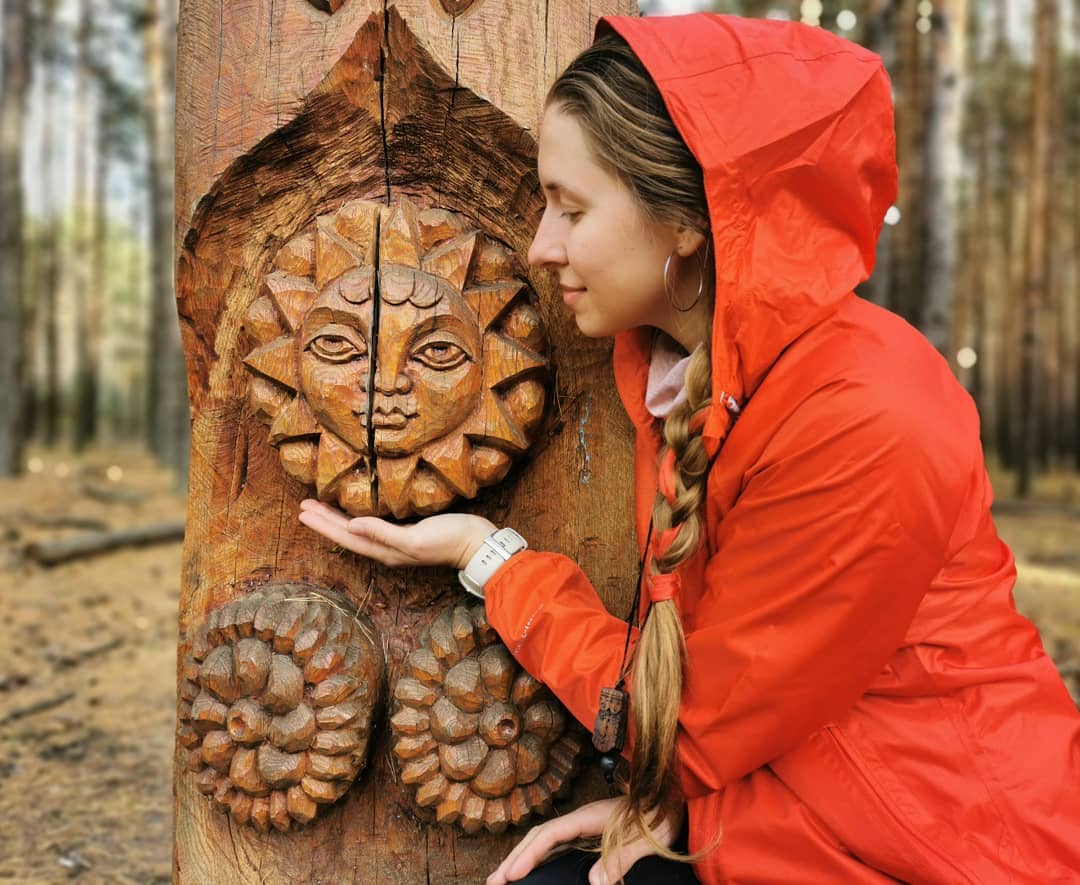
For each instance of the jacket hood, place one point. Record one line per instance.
(793, 128)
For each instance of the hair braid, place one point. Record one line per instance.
(610, 93)
(658, 659)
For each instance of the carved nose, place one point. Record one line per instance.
(390, 382)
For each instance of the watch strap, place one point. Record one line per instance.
(495, 550)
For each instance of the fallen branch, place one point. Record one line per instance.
(112, 494)
(1021, 507)
(67, 659)
(63, 521)
(37, 707)
(59, 550)
(1057, 560)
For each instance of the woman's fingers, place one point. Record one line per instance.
(310, 505)
(337, 531)
(633, 850)
(501, 875)
(530, 851)
(619, 865)
(445, 539)
(540, 841)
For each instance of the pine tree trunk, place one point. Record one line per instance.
(878, 33)
(943, 170)
(14, 81)
(1037, 244)
(167, 416)
(906, 261)
(86, 301)
(51, 252)
(99, 265)
(1006, 392)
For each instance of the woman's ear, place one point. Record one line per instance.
(688, 240)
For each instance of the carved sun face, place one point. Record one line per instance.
(395, 388)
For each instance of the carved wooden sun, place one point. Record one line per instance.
(399, 362)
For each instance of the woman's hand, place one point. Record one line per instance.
(446, 539)
(588, 820)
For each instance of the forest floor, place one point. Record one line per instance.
(88, 666)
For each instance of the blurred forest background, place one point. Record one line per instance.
(981, 252)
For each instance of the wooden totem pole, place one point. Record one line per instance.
(356, 192)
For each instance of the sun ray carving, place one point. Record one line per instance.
(457, 381)
(292, 296)
(293, 421)
(336, 458)
(276, 360)
(490, 301)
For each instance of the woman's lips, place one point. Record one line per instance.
(571, 296)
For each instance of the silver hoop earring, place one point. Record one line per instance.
(670, 290)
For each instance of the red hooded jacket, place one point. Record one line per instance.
(862, 700)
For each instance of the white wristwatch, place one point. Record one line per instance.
(498, 547)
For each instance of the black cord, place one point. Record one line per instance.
(631, 616)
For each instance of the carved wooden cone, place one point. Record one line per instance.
(331, 133)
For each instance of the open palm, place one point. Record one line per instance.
(445, 539)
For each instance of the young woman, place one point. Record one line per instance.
(831, 683)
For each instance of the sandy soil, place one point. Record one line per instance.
(87, 668)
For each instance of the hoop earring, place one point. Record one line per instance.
(669, 289)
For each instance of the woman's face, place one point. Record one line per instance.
(607, 253)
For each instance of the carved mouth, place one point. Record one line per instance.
(395, 420)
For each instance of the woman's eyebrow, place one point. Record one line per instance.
(562, 189)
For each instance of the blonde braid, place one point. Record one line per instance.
(660, 653)
(630, 133)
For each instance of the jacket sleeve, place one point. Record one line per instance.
(819, 566)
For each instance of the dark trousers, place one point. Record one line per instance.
(573, 868)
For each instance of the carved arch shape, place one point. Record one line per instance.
(368, 199)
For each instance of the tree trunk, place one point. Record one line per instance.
(1037, 245)
(980, 259)
(86, 300)
(943, 170)
(51, 253)
(355, 173)
(1074, 155)
(1004, 197)
(877, 32)
(905, 264)
(168, 418)
(99, 266)
(13, 83)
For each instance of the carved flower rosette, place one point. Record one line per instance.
(276, 703)
(480, 742)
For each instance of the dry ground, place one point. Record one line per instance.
(87, 665)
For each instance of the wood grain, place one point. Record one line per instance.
(286, 114)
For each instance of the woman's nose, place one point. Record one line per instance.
(547, 248)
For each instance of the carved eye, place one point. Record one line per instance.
(333, 347)
(441, 352)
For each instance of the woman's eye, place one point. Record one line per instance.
(571, 214)
(335, 349)
(441, 355)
